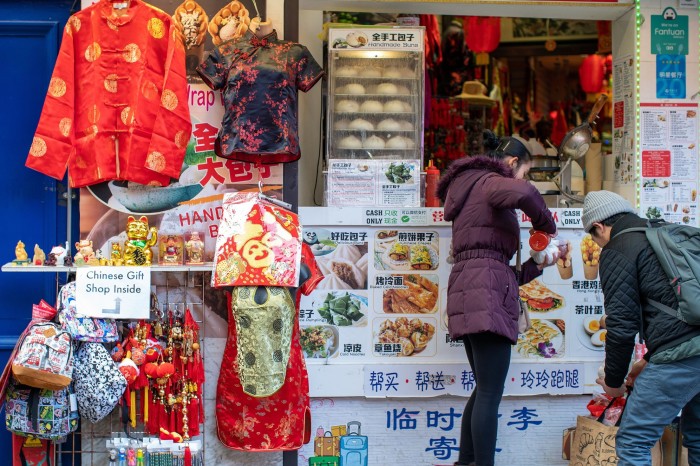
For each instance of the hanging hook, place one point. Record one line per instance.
(257, 12)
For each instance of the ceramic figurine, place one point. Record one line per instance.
(102, 260)
(21, 257)
(58, 253)
(170, 250)
(68, 260)
(195, 249)
(115, 256)
(85, 255)
(51, 260)
(137, 250)
(39, 256)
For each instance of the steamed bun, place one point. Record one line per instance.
(361, 124)
(349, 106)
(396, 106)
(389, 125)
(350, 142)
(397, 142)
(354, 88)
(387, 89)
(346, 71)
(371, 106)
(374, 142)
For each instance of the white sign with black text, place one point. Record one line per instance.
(113, 292)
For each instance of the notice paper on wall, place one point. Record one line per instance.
(669, 162)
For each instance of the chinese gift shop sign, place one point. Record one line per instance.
(114, 293)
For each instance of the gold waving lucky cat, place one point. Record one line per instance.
(137, 249)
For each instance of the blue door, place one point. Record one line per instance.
(33, 209)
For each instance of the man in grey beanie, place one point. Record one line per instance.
(668, 378)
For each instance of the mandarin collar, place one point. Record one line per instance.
(263, 41)
(114, 18)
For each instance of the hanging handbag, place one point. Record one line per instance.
(524, 323)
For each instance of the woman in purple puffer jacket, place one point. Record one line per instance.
(480, 195)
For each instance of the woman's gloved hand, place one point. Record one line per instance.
(548, 256)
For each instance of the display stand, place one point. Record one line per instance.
(83, 443)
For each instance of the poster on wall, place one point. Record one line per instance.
(623, 163)
(669, 162)
(383, 298)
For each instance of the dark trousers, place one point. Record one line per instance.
(489, 358)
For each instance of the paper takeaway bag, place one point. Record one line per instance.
(594, 444)
(257, 244)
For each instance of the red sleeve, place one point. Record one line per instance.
(52, 145)
(315, 275)
(172, 128)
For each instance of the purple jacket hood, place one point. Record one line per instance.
(478, 162)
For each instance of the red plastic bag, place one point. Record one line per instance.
(606, 409)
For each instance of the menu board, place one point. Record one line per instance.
(669, 162)
(383, 297)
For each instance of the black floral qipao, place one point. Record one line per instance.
(260, 79)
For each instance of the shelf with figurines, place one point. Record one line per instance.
(174, 253)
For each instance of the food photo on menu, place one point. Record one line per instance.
(407, 294)
(539, 298)
(406, 250)
(404, 336)
(342, 258)
(319, 341)
(543, 340)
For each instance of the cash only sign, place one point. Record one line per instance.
(113, 292)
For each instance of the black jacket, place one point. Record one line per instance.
(629, 273)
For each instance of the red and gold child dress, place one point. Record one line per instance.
(262, 397)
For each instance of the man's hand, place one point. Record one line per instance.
(613, 392)
(637, 369)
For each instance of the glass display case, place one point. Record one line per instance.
(374, 150)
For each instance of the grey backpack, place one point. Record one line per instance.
(677, 247)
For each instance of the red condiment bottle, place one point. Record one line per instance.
(432, 176)
(539, 241)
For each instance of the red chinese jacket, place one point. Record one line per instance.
(116, 107)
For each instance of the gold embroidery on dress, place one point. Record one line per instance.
(38, 148)
(93, 52)
(156, 28)
(132, 53)
(64, 126)
(168, 100)
(127, 116)
(181, 140)
(93, 115)
(155, 161)
(111, 83)
(264, 336)
(57, 87)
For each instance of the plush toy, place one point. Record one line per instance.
(137, 250)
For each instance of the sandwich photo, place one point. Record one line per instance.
(539, 298)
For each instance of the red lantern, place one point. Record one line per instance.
(482, 34)
(591, 73)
